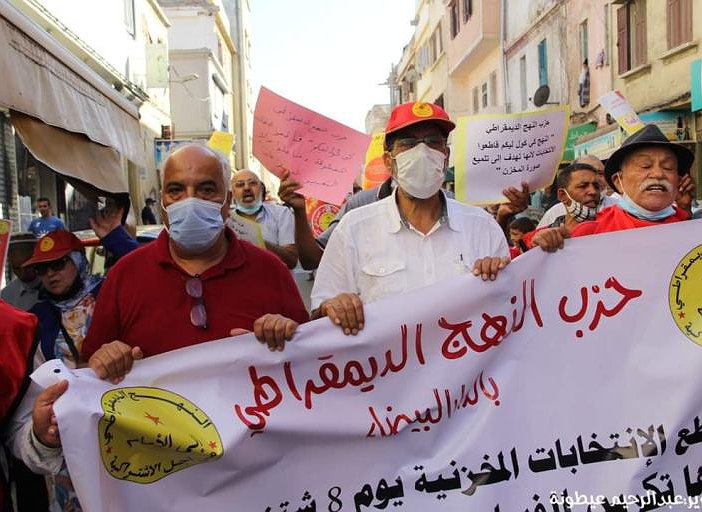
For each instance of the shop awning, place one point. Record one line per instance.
(71, 154)
(44, 80)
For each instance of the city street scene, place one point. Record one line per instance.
(407, 255)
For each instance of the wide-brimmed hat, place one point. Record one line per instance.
(415, 112)
(53, 246)
(649, 135)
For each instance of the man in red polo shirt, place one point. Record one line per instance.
(197, 282)
(649, 172)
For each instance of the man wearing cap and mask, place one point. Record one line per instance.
(413, 238)
(197, 282)
(277, 224)
(650, 173)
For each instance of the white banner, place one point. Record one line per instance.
(574, 378)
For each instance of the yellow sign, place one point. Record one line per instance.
(4, 227)
(146, 434)
(47, 243)
(422, 110)
(374, 170)
(685, 295)
(222, 142)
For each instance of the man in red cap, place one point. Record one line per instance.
(310, 249)
(653, 177)
(413, 238)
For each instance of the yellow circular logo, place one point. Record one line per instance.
(4, 227)
(47, 243)
(685, 295)
(422, 110)
(146, 434)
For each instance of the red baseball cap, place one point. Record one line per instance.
(53, 246)
(415, 112)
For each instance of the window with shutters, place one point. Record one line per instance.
(454, 19)
(543, 63)
(523, 82)
(583, 42)
(476, 100)
(631, 35)
(467, 10)
(493, 88)
(679, 22)
(484, 94)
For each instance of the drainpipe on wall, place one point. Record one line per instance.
(503, 56)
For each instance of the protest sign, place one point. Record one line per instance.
(375, 172)
(320, 214)
(5, 230)
(497, 151)
(562, 380)
(222, 142)
(246, 229)
(324, 156)
(618, 107)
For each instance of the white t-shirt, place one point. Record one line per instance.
(374, 253)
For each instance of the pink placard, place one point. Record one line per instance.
(321, 154)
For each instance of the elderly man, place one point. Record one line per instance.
(23, 291)
(650, 173)
(277, 225)
(559, 209)
(197, 282)
(413, 238)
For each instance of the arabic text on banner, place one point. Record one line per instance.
(619, 108)
(564, 379)
(324, 156)
(494, 152)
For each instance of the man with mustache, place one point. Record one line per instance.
(652, 175)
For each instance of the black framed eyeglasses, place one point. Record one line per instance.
(198, 314)
(55, 266)
(433, 141)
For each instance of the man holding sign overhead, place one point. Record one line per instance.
(413, 238)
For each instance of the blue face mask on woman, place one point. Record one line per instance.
(195, 224)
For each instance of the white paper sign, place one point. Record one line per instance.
(246, 229)
(568, 378)
(494, 152)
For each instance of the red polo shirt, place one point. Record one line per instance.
(143, 301)
(616, 219)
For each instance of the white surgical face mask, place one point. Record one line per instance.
(255, 206)
(627, 204)
(420, 171)
(579, 211)
(195, 224)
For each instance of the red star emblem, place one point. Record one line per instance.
(213, 445)
(155, 419)
(681, 314)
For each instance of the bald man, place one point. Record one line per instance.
(197, 282)
(277, 222)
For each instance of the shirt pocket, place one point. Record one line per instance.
(381, 278)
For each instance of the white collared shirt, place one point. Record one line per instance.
(374, 253)
(277, 224)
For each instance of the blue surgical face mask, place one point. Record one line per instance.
(628, 205)
(195, 224)
(250, 210)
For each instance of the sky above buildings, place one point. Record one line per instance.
(329, 55)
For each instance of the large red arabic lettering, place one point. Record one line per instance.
(601, 310)
(264, 401)
(494, 328)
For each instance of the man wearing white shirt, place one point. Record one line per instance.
(559, 209)
(277, 223)
(413, 238)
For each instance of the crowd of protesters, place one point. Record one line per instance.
(198, 282)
